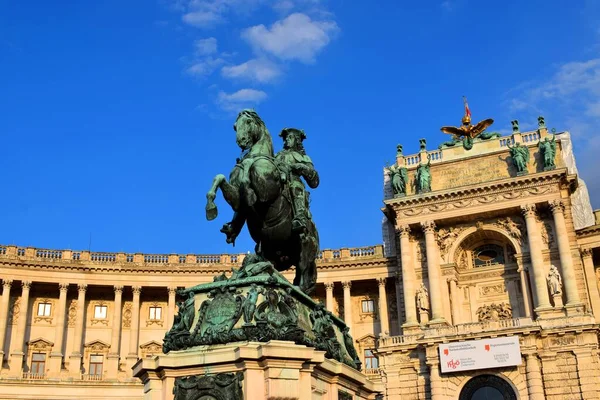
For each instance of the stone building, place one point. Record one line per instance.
(464, 263)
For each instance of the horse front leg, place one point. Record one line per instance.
(230, 194)
(306, 271)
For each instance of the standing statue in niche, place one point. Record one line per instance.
(547, 149)
(554, 281)
(399, 176)
(422, 298)
(423, 177)
(520, 157)
(267, 193)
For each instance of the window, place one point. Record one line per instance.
(38, 364)
(489, 254)
(100, 312)
(368, 306)
(155, 313)
(44, 309)
(371, 362)
(96, 361)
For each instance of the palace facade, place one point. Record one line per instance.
(487, 283)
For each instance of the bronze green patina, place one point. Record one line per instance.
(547, 148)
(259, 304)
(256, 302)
(423, 177)
(399, 177)
(520, 157)
(266, 192)
(224, 386)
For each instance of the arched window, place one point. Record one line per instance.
(488, 254)
(487, 387)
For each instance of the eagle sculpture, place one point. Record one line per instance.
(467, 132)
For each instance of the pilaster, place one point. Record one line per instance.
(383, 308)
(408, 281)
(76, 356)
(433, 274)
(56, 357)
(4, 304)
(329, 296)
(17, 354)
(114, 356)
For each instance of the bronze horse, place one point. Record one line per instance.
(259, 195)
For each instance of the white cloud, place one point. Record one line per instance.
(241, 99)
(258, 70)
(201, 19)
(296, 37)
(569, 100)
(205, 67)
(206, 46)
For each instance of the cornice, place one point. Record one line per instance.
(543, 183)
(589, 231)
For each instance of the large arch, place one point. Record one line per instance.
(494, 232)
(488, 387)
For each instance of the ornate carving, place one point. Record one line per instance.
(39, 345)
(81, 287)
(381, 281)
(6, 284)
(136, 290)
(249, 305)
(346, 285)
(224, 386)
(172, 291)
(393, 306)
(118, 289)
(554, 281)
(63, 287)
(421, 251)
(404, 230)
(529, 210)
(512, 226)
(428, 226)
(492, 290)
(101, 321)
(447, 236)
(127, 314)
(494, 312)
(329, 286)
(97, 346)
(72, 314)
(557, 206)
(15, 311)
(155, 321)
(42, 318)
(26, 285)
(422, 298)
(150, 348)
(547, 234)
(565, 340)
(586, 252)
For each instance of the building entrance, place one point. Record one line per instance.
(487, 387)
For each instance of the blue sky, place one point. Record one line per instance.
(117, 114)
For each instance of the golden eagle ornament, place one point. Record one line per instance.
(467, 132)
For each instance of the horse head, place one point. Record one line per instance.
(252, 134)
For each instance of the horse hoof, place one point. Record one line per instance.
(211, 212)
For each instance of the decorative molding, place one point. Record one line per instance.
(529, 210)
(96, 347)
(118, 289)
(428, 226)
(40, 318)
(446, 237)
(150, 348)
(329, 286)
(6, 284)
(492, 290)
(172, 290)
(63, 287)
(158, 322)
(347, 285)
(100, 321)
(494, 312)
(514, 227)
(381, 281)
(39, 345)
(586, 252)
(404, 230)
(136, 290)
(26, 285)
(127, 314)
(81, 287)
(15, 310)
(565, 340)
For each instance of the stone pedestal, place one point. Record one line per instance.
(423, 317)
(251, 371)
(557, 300)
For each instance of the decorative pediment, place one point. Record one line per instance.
(367, 341)
(150, 348)
(40, 344)
(97, 346)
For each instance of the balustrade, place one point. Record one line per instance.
(156, 258)
(103, 257)
(51, 254)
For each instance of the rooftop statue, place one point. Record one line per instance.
(520, 157)
(266, 192)
(548, 152)
(467, 132)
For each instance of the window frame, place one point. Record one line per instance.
(155, 308)
(95, 369)
(371, 361)
(101, 306)
(47, 309)
(371, 309)
(36, 365)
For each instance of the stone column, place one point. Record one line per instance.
(433, 273)
(347, 304)
(383, 308)
(437, 392)
(537, 259)
(524, 288)
(56, 357)
(535, 386)
(132, 357)
(17, 354)
(590, 276)
(455, 302)
(75, 357)
(329, 296)
(4, 304)
(171, 306)
(408, 279)
(114, 355)
(564, 251)
(398, 297)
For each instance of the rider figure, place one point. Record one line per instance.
(296, 164)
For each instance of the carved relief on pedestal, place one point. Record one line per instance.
(15, 310)
(494, 312)
(492, 290)
(127, 314)
(72, 313)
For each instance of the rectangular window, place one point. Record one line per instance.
(44, 309)
(368, 306)
(155, 313)
(100, 312)
(96, 361)
(38, 364)
(371, 362)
